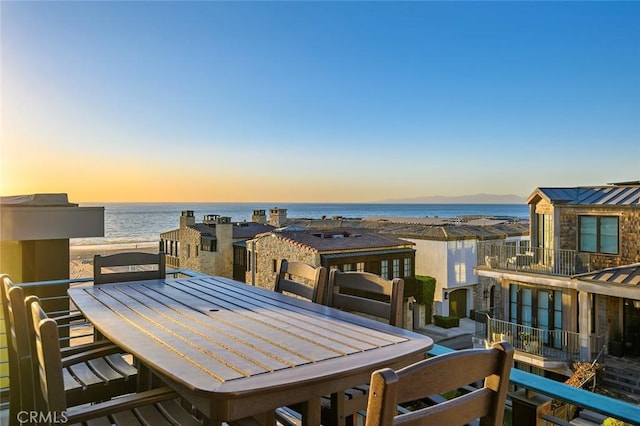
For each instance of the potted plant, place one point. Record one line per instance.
(616, 344)
(530, 342)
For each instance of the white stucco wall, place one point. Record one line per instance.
(431, 260)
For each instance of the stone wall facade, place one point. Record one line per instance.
(628, 232)
(269, 251)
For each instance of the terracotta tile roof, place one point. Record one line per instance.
(241, 230)
(328, 240)
(246, 230)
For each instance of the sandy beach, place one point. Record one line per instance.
(81, 257)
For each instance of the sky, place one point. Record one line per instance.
(316, 101)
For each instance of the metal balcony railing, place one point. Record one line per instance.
(552, 344)
(501, 255)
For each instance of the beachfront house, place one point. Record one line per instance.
(574, 293)
(214, 246)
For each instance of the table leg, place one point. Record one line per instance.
(337, 409)
(311, 412)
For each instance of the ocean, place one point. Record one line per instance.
(142, 223)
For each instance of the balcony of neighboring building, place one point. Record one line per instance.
(539, 347)
(505, 256)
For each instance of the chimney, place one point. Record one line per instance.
(277, 217)
(259, 216)
(187, 218)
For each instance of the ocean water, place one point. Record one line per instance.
(133, 223)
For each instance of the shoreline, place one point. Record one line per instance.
(110, 248)
(81, 257)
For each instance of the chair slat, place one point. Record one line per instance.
(441, 374)
(302, 279)
(132, 259)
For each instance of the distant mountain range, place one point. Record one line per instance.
(461, 199)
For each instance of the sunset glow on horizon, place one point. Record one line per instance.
(316, 101)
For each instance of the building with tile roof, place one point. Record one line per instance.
(344, 248)
(213, 246)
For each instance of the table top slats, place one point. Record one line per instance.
(272, 322)
(299, 311)
(224, 339)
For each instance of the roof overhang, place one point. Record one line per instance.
(574, 283)
(359, 253)
(22, 223)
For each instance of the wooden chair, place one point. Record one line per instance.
(372, 295)
(94, 370)
(302, 279)
(157, 407)
(367, 293)
(440, 374)
(131, 259)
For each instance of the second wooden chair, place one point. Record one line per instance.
(302, 279)
(371, 295)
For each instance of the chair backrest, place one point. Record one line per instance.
(46, 359)
(440, 374)
(367, 293)
(302, 279)
(133, 260)
(17, 334)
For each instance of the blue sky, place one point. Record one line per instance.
(316, 101)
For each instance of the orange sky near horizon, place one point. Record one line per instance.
(315, 101)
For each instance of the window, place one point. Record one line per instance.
(346, 267)
(360, 266)
(539, 308)
(599, 234)
(384, 269)
(396, 268)
(275, 265)
(407, 267)
(208, 244)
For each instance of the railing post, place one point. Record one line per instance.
(528, 408)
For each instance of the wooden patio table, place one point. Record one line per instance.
(234, 350)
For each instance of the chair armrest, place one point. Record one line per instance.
(90, 354)
(72, 350)
(66, 319)
(128, 402)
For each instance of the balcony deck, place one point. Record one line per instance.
(520, 380)
(502, 256)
